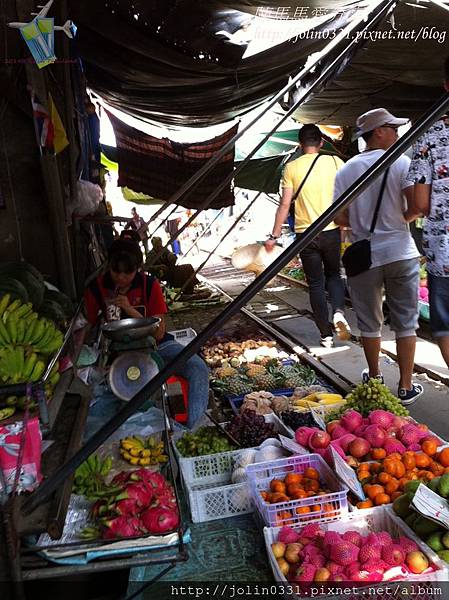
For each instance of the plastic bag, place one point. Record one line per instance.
(10, 441)
(254, 257)
(88, 198)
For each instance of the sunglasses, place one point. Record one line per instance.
(395, 127)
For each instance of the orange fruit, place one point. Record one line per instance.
(376, 467)
(429, 447)
(384, 478)
(311, 485)
(395, 495)
(302, 510)
(316, 508)
(392, 486)
(292, 488)
(278, 497)
(422, 460)
(444, 457)
(277, 485)
(365, 504)
(378, 453)
(382, 499)
(293, 478)
(299, 495)
(408, 460)
(402, 482)
(311, 473)
(374, 490)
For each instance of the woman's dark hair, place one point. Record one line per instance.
(130, 234)
(124, 256)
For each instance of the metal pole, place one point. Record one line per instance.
(233, 226)
(289, 253)
(321, 79)
(150, 235)
(203, 233)
(341, 37)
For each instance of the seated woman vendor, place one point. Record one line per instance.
(124, 291)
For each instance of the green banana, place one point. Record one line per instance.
(38, 371)
(29, 365)
(11, 308)
(38, 331)
(20, 331)
(11, 401)
(20, 361)
(5, 413)
(4, 303)
(22, 311)
(4, 335)
(11, 327)
(54, 379)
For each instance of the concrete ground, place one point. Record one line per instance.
(274, 304)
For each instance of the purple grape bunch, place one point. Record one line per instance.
(250, 429)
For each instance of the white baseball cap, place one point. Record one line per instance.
(376, 118)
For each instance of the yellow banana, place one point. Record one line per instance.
(4, 303)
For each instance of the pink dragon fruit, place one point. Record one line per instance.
(370, 552)
(371, 539)
(138, 492)
(350, 420)
(338, 432)
(363, 575)
(151, 478)
(411, 434)
(319, 440)
(317, 560)
(333, 568)
(305, 573)
(121, 527)
(375, 435)
(407, 544)
(382, 418)
(344, 553)
(393, 555)
(377, 565)
(320, 451)
(392, 445)
(159, 520)
(399, 422)
(302, 435)
(287, 535)
(354, 537)
(121, 479)
(127, 507)
(164, 498)
(328, 453)
(414, 447)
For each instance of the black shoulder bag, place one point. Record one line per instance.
(301, 185)
(357, 257)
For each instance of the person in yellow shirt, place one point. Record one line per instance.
(309, 182)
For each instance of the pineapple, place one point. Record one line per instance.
(266, 381)
(253, 370)
(224, 372)
(238, 385)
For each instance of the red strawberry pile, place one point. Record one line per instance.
(146, 503)
(311, 554)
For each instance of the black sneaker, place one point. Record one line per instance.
(409, 396)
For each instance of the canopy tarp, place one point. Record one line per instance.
(166, 61)
(403, 75)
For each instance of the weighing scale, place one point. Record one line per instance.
(131, 353)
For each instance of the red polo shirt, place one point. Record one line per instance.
(145, 295)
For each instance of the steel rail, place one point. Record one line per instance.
(387, 159)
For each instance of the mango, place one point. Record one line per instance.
(401, 506)
(445, 540)
(433, 484)
(424, 527)
(443, 485)
(444, 555)
(434, 541)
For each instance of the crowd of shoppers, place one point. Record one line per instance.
(384, 261)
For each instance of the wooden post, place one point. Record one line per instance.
(52, 180)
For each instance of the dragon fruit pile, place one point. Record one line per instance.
(354, 435)
(145, 504)
(314, 555)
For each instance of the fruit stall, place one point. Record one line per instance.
(340, 483)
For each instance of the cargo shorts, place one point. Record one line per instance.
(400, 282)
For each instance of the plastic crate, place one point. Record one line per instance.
(261, 474)
(215, 468)
(183, 336)
(207, 469)
(364, 522)
(208, 503)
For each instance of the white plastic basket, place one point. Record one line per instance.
(208, 503)
(364, 522)
(333, 505)
(183, 336)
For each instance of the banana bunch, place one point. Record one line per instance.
(143, 452)
(18, 365)
(317, 400)
(20, 325)
(90, 478)
(7, 412)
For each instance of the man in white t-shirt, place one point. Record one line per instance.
(395, 266)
